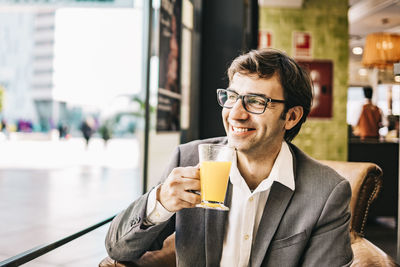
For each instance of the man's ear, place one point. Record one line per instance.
(293, 116)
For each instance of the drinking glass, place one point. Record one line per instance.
(215, 166)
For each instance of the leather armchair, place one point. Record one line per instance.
(365, 180)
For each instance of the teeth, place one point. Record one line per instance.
(241, 130)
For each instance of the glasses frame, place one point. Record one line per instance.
(242, 97)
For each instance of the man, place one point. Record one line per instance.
(285, 208)
(370, 119)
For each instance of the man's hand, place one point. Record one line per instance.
(176, 192)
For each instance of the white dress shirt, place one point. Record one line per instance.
(245, 212)
(247, 208)
(155, 212)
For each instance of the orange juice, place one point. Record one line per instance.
(214, 180)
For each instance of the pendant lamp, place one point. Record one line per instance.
(381, 50)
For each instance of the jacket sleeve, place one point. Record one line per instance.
(329, 244)
(128, 238)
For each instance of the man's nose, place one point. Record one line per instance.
(238, 112)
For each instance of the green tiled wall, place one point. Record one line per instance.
(328, 25)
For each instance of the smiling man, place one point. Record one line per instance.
(286, 209)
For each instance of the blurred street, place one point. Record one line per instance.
(51, 189)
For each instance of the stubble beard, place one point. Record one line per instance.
(252, 146)
(257, 146)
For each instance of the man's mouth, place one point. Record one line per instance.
(241, 129)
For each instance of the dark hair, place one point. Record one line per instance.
(295, 81)
(367, 92)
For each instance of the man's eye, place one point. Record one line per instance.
(231, 97)
(256, 101)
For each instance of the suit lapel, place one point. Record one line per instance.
(277, 202)
(215, 231)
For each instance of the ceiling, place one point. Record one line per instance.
(368, 16)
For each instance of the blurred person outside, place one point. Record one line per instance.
(106, 131)
(63, 130)
(370, 120)
(286, 209)
(3, 129)
(3, 126)
(87, 128)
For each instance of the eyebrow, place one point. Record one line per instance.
(262, 95)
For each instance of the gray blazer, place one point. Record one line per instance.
(307, 227)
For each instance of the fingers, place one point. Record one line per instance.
(191, 198)
(184, 179)
(177, 191)
(187, 200)
(175, 200)
(190, 184)
(187, 172)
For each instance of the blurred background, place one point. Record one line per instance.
(96, 94)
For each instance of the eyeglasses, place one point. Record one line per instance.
(255, 104)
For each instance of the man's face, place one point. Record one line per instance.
(255, 133)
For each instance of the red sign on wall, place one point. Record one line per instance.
(264, 39)
(321, 73)
(302, 45)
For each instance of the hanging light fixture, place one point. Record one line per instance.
(381, 50)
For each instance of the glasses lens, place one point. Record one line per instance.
(226, 98)
(255, 104)
(221, 97)
(231, 98)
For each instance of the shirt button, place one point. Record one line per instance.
(251, 199)
(246, 237)
(157, 215)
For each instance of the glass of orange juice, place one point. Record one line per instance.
(215, 166)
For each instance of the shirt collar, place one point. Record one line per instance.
(282, 171)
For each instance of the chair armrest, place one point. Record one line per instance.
(366, 181)
(367, 254)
